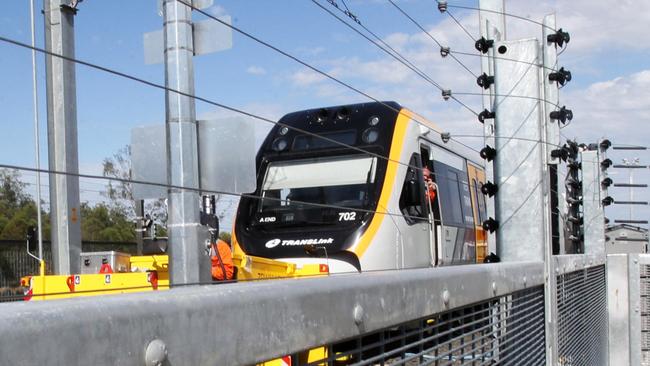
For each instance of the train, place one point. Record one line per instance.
(347, 187)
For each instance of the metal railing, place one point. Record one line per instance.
(492, 314)
(628, 278)
(15, 262)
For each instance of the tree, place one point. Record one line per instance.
(17, 208)
(120, 190)
(105, 223)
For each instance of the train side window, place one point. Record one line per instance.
(480, 201)
(411, 200)
(448, 184)
(466, 202)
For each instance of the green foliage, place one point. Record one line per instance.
(106, 223)
(17, 208)
(225, 236)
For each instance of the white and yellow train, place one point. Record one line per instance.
(356, 200)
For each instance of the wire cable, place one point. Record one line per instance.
(460, 25)
(501, 13)
(221, 105)
(405, 61)
(430, 36)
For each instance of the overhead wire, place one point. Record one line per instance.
(288, 55)
(460, 25)
(221, 105)
(430, 35)
(501, 13)
(210, 102)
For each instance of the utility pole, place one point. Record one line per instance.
(62, 136)
(188, 263)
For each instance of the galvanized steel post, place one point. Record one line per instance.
(550, 137)
(492, 26)
(62, 137)
(593, 212)
(187, 262)
(519, 163)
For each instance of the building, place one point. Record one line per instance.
(624, 238)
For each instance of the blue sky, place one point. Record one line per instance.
(608, 55)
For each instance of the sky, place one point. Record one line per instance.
(608, 57)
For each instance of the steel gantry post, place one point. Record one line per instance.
(187, 263)
(492, 27)
(62, 136)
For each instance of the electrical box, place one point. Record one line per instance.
(92, 262)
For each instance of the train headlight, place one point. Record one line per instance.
(373, 121)
(280, 144)
(284, 130)
(370, 135)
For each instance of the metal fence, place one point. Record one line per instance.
(493, 314)
(582, 317)
(628, 278)
(16, 263)
(505, 330)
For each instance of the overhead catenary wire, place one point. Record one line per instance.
(501, 13)
(430, 36)
(403, 60)
(460, 25)
(216, 104)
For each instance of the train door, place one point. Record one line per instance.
(432, 203)
(415, 235)
(476, 180)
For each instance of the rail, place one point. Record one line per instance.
(474, 314)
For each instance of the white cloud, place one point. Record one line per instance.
(217, 10)
(306, 77)
(256, 70)
(618, 108)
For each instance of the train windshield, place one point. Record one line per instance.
(316, 190)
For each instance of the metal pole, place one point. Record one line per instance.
(187, 262)
(492, 26)
(550, 135)
(37, 145)
(62, 137)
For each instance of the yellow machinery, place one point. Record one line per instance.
(150, 273)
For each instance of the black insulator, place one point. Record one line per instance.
(485, 81)
(606, 221)
(575, 165)
(560, 153)
(488, 153)
(446, 94)
(608, 201)
(562, 76)
(560, 37)
(573, 201)
(483, 45)
(490, 225)
(492, 258)
(442, 6)
(605, 144)
(445, 136)
(605, 163)
(562, 115)
(486, 115)
(606, 182)
(573, 182)
(490, 189)
(576, 220)
(444, 51)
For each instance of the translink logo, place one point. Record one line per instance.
(275, 242)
